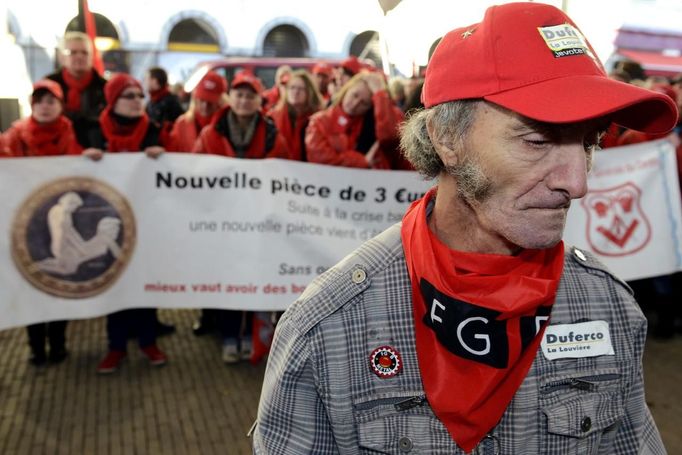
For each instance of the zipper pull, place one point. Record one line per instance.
(582, 385)
(410, 403)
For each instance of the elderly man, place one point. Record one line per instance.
(83, 87)
(470, 327)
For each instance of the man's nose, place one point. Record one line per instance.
(570, 173)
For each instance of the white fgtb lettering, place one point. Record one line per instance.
(478, 336)
(434, 316)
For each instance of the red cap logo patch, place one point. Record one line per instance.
(385, 362)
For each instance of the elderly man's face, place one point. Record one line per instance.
(77, 58)
(518, 177)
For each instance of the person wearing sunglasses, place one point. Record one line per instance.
(125, 127)
(83, 87)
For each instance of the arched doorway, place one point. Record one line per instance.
(193, 35)
(366, 45)
(285, 41)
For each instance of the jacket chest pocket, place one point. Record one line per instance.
(584, 413)
(401, 425)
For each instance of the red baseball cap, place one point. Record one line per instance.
(49, 85)
(247, 78)
(211, 87)
(352, 65)
(115, 86)
(531, 58)
(322, 68)
(665, 89)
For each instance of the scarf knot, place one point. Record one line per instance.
(479, 320)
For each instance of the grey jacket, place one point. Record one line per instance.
(320, 395)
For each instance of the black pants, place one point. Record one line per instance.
(54, 332)
(235, 324)
(142, 321)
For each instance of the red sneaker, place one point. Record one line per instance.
(111, 362)
(155, 356)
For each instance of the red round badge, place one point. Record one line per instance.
(385, 362)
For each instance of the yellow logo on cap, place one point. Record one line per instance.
(565, 40)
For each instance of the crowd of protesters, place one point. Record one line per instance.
(661, 294)
(339, 116)
(344, 116)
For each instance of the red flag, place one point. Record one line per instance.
(87, 19)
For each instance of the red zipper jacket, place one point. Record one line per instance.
(332, 135)
(267, 142)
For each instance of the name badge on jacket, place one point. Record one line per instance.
(584, 339)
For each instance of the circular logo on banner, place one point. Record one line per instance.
(385, 362)
(73, 237)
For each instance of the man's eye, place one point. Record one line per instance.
(536, 142)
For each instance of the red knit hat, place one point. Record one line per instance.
(247, 78)
(211, 87)
(531, 58)
(49, 85)
(115, 86)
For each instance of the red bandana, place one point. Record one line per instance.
(156, 95)
(476, 322)
(76, 88)
(49, 139)
(122, 138)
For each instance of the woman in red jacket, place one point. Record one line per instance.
(123, 124)
(359, 129)
(47, 132)
(240, 130)
(291, 114)
(209, 96)
(125, 127)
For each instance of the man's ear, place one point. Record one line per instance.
(445, 150)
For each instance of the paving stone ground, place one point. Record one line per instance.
(193, 405)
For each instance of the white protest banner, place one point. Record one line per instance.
(630, 218)
(83, 239)
(86, 238)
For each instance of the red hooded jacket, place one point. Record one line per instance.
(184, 134)
(26, 137)
(293, 133)
(332, 135)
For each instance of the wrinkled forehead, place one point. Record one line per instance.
(520, 123)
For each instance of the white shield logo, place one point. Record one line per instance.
(616, 223)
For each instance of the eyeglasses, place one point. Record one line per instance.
(75, 52)
(132, 96)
